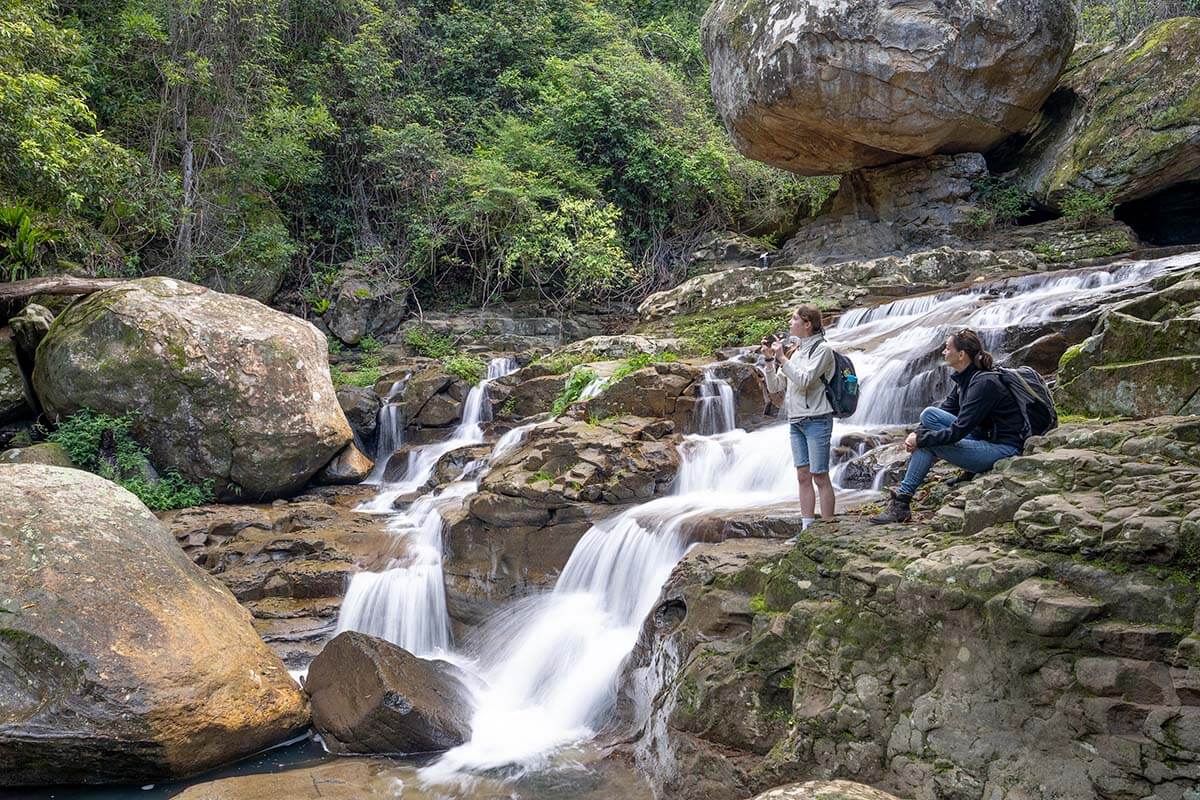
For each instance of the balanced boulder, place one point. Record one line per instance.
(370, 696)
(122, 660)
(821, 88)
(224, 388)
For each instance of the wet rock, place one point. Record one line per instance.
(361, 407)
(508, 328)
(225, 389)
(16, 399)
(537, 502)
(347, 467)
(124, 661)
(789, 77)
(370, 696)
(29, 328)
(1143, 360)
(366, 304)
(47, 453)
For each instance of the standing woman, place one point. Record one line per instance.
(800, 372)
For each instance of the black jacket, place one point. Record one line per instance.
(984, 406)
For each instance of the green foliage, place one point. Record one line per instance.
(640, 361)
(363, 376)
(576, 382)
(504, 148)
(1085, 208)
(106, 445)
(369, 344)
(540, 475)
(509, 408)
(425, 342)
(1006, 201)
(466, 367)
(564, 362)
(705, 335)
(1122, 20)
(21, 243)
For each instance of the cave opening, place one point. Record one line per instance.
(1169, 217)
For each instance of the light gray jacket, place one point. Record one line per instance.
(801, 375)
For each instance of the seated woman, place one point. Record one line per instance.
(977, 424)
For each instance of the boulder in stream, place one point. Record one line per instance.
(370, 696)
(122, 660)
(224, 388)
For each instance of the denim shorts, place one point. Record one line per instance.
(810, 442)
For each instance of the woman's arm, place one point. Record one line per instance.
(976, 403)
(814, 368)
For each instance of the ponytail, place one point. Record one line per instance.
(969, 341)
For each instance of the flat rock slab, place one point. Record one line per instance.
(825, 790)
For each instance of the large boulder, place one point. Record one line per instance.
(823, 88)
(1124, 121)
(370, 696)
(122, 660)
(15, 399)
(1142, 361)
(366, 304)
(225, 389)
(825, 790)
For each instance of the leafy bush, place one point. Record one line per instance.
(425, 342)
(706, 335)
(362, 376)
(369, 344)
(1006, 201)
(1086, 208)
(467, 367)
(105, 445)
(576, 382)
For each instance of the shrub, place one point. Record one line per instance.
(425, 342)
(1004, 199)
(369, 344)
(578, 379)
(564, 362)
(105, 445)
(706, 335)
(1086, 208)
(467, 367)
(363, 376)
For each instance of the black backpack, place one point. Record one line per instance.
(1033, 398)
(842, 390)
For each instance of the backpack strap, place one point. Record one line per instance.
(824, 381)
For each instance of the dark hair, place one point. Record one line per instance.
(969, 341)
(813, 315)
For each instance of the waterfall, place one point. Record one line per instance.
(548, 665)
(406, 602)
(545, 669)
(715, 407)
(389, 434)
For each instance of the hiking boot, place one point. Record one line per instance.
(898, 510)
(961, 478)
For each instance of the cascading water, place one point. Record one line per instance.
(389, 432)
(715, 405)
(547, 666)
(406, 603)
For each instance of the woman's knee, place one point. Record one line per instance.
(932, 417)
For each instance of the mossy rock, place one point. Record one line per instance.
(224, 389)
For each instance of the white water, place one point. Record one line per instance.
(546, 667)
(716, 407)
(406, 602)
(389, 430)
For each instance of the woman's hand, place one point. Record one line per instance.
(765, 348)
(910, 443)
(777, 351)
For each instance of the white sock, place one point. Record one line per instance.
(805, 522)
